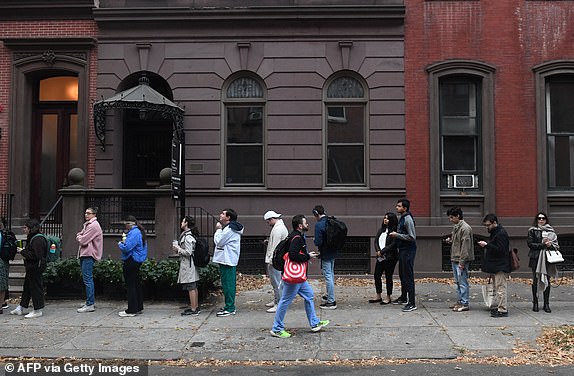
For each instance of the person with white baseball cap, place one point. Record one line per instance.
(278, 233)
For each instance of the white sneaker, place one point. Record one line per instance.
(270, 304)
(35, 313)
(18, 311)
(272, 309)
(125, 314)
(87, 308)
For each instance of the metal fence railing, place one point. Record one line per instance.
(51, 224)
(6, 208)
(113, 208)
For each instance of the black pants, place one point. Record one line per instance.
(387, 267)
(133, 286)
(407, 274)
(33, 288)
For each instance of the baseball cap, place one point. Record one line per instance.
(271, 214)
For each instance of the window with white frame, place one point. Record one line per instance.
(460, 132)
(560, 131)
(244, 130)
(345, 117)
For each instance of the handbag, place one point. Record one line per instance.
(554, 256)
(488, 293)
(294, 272)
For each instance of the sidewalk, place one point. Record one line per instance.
(358, 330)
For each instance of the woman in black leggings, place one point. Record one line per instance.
(387, 257)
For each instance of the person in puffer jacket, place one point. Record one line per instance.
(227, 239)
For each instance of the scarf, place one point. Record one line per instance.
(544, 270)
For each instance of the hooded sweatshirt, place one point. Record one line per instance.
(228, 244)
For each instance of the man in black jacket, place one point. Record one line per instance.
(496, 262)
(34, 261)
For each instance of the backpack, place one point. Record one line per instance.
(335, 234)
(201, 253)
(514, 260)
(9, 249)
(279, 252)
(55, 248)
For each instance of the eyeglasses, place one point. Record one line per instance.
(487, 224)
(541, 218)
(90, 212)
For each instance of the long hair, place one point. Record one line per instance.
(535, 221)
(191, 225)
(131, 218)
(393, 222)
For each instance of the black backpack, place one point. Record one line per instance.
(201, 253)
(335, 234)
(9, 248)
(280, 250)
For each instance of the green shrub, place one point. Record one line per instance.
(108, 271)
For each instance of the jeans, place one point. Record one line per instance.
(290, 291)
(461, 281)
(407, 274)
(276, 282)
(87, 264)
(228, 284)
(328, 269)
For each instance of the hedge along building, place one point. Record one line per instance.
(286, 106)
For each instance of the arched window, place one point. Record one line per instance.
(345, 131)
(244, 104)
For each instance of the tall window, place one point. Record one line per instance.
(460, 130)
(244, 114)
(560, 131)
(345, 107)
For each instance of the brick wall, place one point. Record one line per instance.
(41, 29)
(512, 36)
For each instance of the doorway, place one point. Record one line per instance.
(54, 140)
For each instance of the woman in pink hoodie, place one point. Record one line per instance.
(91, 249)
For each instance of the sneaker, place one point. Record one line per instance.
(320, 325)
(191, 312)
(328, 305)
(272, 309)
(5, 306)
(455, 305)
(399, 300)
(461, 308)
(18, 311)
(224, 313)
(281, 334)
(35, 313)
(324, 297)
(87, 308)
(270, 304)
(497, 313)
(125, 314)
(409, 308)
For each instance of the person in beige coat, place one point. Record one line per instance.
(278, 233)
(188, 273)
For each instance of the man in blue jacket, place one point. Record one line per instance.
(327, 257)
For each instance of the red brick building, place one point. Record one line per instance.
(489, 116)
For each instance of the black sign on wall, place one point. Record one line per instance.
(177, 165)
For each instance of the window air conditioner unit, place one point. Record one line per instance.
(464, 181)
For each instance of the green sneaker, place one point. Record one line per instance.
(320, 325)
(281, 334)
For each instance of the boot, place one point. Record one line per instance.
(546, 300)
(534, 298)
